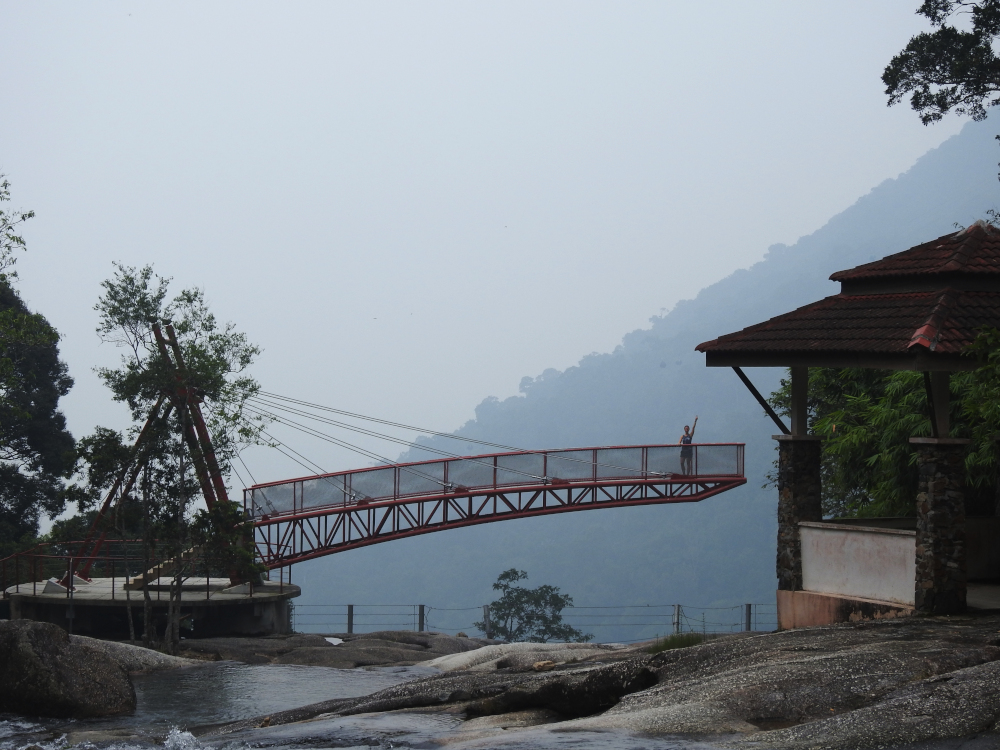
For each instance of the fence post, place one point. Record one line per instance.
(749, 622)
(677, 618)
(350, 618)
(69, 593)
(420, 619)
(487, 625)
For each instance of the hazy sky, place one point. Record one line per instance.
(411, 206)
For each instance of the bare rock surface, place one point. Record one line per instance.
(573, 691)
(46, 674)
(399, 648)
(845, 686)
(520, 656)
(133, 659)
(916, 682)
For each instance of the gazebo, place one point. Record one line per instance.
(914, 310)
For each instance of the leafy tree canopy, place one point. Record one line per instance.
(866, 418)
(535, 615)
(950, 68)
(216, 356)
(10, 239)
(36, 449)
(225, 536)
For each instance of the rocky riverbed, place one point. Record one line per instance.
(340, 651)
(877, 684)
(921, 682)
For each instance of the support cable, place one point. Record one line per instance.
(439, 451)
(305, 463)
(350, 446)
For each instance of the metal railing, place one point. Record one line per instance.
(28, 571)
(624, 623)
(494, 472)
(31, 571)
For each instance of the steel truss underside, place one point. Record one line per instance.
(286, 539)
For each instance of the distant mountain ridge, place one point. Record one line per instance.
(719, 551)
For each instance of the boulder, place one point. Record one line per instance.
(133, 659)
(352, 650)
(45, 674)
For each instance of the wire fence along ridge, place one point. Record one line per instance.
(495, 471)
(655, 620)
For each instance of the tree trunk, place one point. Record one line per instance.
(148, 631)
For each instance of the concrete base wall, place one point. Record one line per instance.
(806, 609)
(265, 617)
(866, 563)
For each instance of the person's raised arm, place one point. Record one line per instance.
(694, 426)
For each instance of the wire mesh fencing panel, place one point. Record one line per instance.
(338, 619)
(634, 623)
(604, 624)
(765, 617)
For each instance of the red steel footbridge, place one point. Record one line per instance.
(301, 519)
(311, 516)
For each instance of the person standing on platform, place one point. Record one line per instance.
(687, 452)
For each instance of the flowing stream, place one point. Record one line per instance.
(175, 706)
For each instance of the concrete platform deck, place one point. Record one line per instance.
(111, 592)
(208, 606)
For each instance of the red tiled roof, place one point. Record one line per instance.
(973, 250)
(942, 321)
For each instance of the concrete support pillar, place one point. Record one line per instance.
(800, 400)
(940, 586)
(799, 499)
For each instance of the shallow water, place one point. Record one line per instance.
(431, 730)
(213, 693)
(171, 703)
(227, 691)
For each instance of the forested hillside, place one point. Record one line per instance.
(720, 551)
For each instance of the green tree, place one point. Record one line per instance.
(535, 615)
(36, 449)
(949, 68)
(867, 417)
(10, 239)
(225, 536)
(216, 358)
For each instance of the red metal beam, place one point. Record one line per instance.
(181, 400)
(204, 439)
(122, 486)
(295, 537)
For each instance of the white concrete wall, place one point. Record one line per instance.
(868, 563)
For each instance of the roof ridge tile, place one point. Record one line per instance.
(929, 333)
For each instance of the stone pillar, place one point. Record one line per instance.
(940, 585)
(798, 500)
